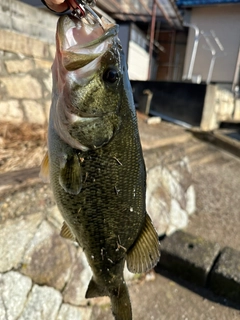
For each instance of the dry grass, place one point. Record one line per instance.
(21, 145)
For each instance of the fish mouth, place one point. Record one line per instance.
(80, 47)
(81, 36)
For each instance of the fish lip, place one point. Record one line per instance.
(68, 21)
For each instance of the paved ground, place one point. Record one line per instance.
(217, 185)
(216, 180)
(164, 298)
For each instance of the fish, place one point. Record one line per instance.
(95, 161)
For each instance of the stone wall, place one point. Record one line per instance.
(27, 37)
(219, 105)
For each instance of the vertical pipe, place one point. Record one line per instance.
(236, 78)
(213, 52)
(171, 55)
(195, 47)
(210, 72)
(154, 8)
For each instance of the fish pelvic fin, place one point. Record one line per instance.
(94, 290)
(66, 232)
(44, 171)
(70, 175)
(121, 305)
(145, 252)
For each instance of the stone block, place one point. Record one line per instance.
(68, 312)
(43, 64)
(14, 289)
(48, 82)
(55, 218)
(190, 200)
(18, 66)
(170, 196)
(15, 236)
(48, 259)
(43, 304)
(22, 87)
(225, 276)
(46, 108)
(27, 19)
(237, 110)
(209, 117)
(23, 44)
(188, 257)
(74, 292)
(11, 111)
(34, 112)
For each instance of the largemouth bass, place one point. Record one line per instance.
(95, 160)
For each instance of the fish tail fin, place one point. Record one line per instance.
(121, 305)
(120, 300)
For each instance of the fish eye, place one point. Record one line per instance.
(110, 75)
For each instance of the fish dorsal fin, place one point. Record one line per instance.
(66, 232)
(145, 253)
(73, 61)
(94, 290)
(44, 171)
(70, 175)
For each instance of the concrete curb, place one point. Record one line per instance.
(219, 139)
(203, 263)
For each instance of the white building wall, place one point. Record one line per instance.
(138, 62)
(224, 20)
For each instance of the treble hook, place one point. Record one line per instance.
(82, 9)
(78, 11)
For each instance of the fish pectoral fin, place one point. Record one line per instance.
(70, 176)
(44, 170)
(145, 252)
(66, 232)
(94, 290)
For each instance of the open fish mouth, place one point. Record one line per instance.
(86, 70)
(83, 37)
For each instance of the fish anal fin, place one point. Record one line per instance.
(70, 175)
(66, 232)
(145, 252)
(44, 171)
(94, 290)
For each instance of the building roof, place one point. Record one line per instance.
(136, 10)
(194, 3)
(141, 10)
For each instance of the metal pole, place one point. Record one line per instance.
(195, 47)
(210, 72)
(171, 56)
(213, 52)
(154, 9)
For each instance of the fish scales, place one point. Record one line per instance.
(95, 162)
(98, 205)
